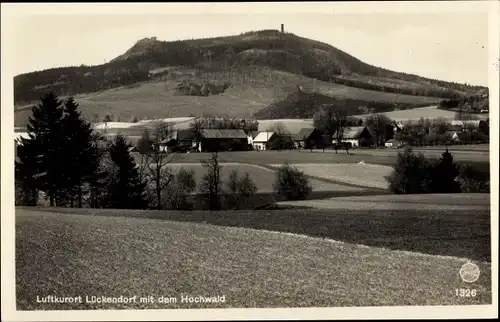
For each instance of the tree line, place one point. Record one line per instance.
(414, 174)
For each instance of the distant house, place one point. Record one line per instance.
(394, 144)
(263, 140)
(308, 138)
(223, 140)
(356, 136)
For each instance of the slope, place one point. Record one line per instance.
(270, 48)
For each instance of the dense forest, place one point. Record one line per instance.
(304, 104)
(268, 48)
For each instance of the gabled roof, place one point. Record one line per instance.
(224, 134)
(263, 137)
(254, 134)
(353, 132)
(304, 133)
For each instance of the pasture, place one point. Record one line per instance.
(68, 252)
(368, 175)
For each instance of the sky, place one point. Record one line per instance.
(451, 47)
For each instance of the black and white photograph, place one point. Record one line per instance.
(250, 160)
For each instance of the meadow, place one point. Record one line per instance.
(70, 252)
(263, 177)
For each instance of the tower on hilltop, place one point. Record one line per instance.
(282, 28)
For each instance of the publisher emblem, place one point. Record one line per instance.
(469, 272)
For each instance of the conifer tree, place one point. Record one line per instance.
(126, 191)
(444, 174)
(44, 152)
(26, 172)
(78, 153)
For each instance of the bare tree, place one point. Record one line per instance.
(333, 120)
(197, 129)
(156, 162)
(440, 126)
(378, 123)
(211, 182)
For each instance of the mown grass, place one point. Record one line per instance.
(112, 256)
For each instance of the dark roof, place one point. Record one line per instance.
(185, 134)
(224, 134)
(304, 133)
(254, 134)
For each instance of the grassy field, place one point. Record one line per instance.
(373, 156)
(415, 114)
(263, 177)
(452, 202)
(113, 254)
(247, 95)
(369, 175)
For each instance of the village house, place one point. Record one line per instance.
(223, 140)
(308, 138)
(263, 140)
(356, 136)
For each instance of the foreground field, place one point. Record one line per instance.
(77, 255)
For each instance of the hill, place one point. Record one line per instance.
(191, 67)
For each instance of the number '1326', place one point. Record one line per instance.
(465, 292)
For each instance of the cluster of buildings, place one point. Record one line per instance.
(237, 140)
(307, 138)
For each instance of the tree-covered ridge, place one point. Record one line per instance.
(269, 48)
(300, 104)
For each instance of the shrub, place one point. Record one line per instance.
(473, 180)
(412, 174)
(291, 184)
(239, 189)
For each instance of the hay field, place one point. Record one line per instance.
(78, 255)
